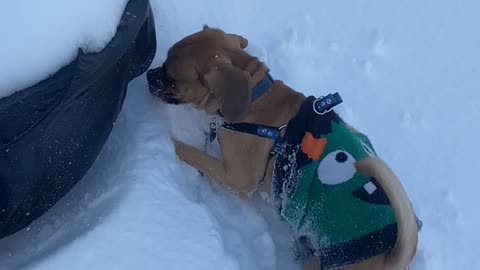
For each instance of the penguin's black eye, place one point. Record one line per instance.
(341, 157)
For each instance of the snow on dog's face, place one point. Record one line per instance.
(206, 69)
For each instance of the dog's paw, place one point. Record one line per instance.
(175, 141)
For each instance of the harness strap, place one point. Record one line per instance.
(296, 127)
(268, 132)
(254, 129)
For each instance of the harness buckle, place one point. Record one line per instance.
(324, 105)
(211, 134)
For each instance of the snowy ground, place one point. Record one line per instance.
(408, 72)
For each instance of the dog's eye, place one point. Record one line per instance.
(337, 167)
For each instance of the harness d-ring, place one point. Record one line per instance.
(322, 112)
(326, 103)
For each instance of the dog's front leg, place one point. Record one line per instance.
(215, 169)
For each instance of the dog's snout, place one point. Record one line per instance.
(156, 80)
(162, 85)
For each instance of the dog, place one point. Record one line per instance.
(211, 71)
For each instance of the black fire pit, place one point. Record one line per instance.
(52, 132)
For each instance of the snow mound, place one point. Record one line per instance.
(40, 37)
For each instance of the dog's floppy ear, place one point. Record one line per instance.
(241, 40)
(231, 86)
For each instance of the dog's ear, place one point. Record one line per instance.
(231, 86)
(241, 40)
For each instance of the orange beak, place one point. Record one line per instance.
(312, 147)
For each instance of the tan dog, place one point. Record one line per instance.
(211, 71)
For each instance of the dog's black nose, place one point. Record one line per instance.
(156, 80)
(151, 75)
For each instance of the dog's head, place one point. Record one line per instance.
(210, 70)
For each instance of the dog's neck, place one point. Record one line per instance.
(262, 87)
(265, 111)
(276, 107)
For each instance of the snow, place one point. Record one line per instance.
(40, 37)
(408, 72)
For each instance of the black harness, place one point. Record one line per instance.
(283, 147)
(320, 106)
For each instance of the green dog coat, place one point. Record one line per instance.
(345, 216)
